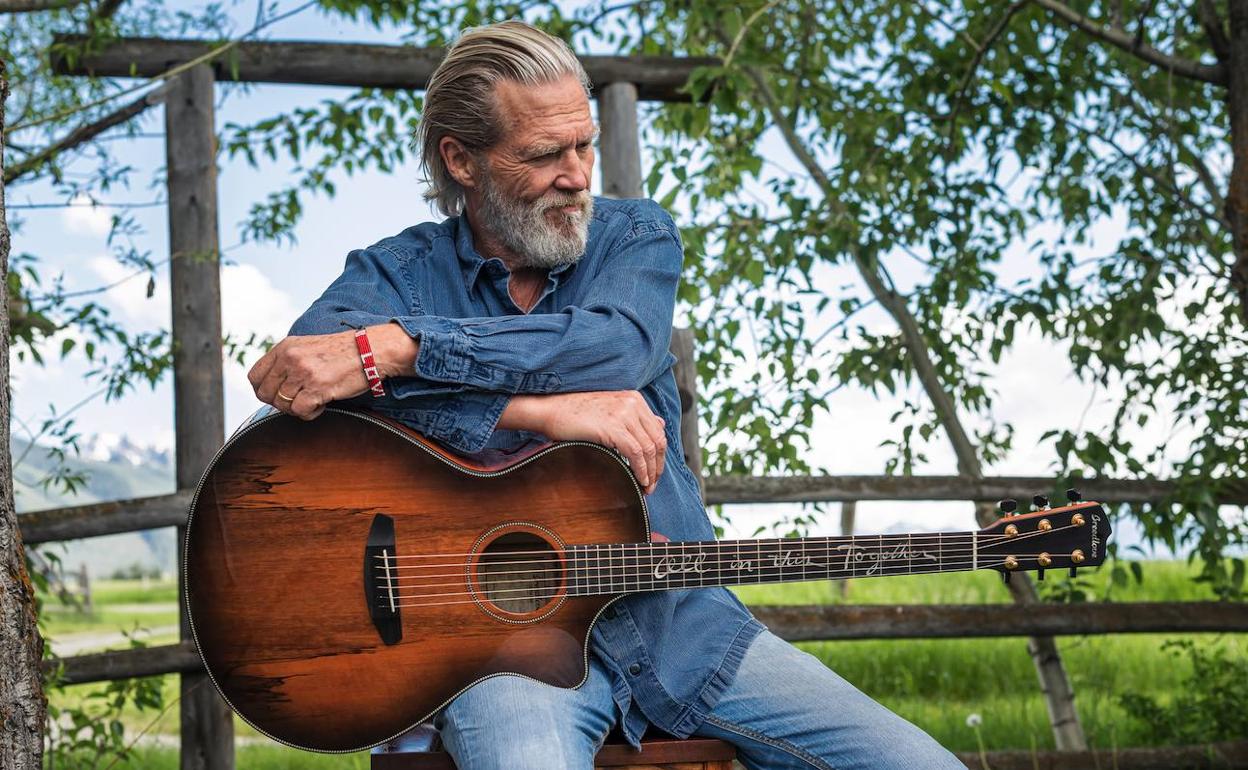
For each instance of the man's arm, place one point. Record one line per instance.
(616, 338)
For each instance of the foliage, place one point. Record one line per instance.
(89, 731)
(1211, 706)
(926, 141)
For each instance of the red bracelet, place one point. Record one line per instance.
(370, 364)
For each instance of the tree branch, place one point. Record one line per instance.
(1207, 14)
(1120, 38)
(981, 49)
(85, 133)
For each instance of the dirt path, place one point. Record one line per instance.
(76, 644)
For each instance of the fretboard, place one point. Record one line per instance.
(634, 567)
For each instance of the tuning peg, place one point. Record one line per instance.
(1072, 571)
(1008, 506)
(1040, 501)
(1040, 575)
(1073, 495)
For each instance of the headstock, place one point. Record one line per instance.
(1070, 537)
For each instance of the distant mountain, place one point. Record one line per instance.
(116, 468)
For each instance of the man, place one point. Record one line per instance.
(536, 310)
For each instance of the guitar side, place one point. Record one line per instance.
(276, 572)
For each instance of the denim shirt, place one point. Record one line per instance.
(603, 323)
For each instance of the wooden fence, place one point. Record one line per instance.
(207, 727)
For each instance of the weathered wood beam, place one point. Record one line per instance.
(198, 394)
(808, 623)
(105, 518)
(620, 144)
(127, 664)
(790, 489)
(1225, 755)
(657, 78)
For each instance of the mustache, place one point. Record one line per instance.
(559, 200)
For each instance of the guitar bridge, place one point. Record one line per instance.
(381, 580)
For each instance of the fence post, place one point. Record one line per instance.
(686, 373)
(620, 144)
(198, 400)
(848, 509)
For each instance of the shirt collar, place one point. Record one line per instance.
(471, 263)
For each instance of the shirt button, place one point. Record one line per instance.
(634, 669)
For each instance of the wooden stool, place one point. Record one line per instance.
(420, 749)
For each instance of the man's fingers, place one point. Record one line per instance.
(305, 406)
(631, 450)
(261, 369)
(650, 451)
(656, 424)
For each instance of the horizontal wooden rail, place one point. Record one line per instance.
(108, 518)
(170, 510)
(657, 78)
(127, 664)
(1223, 755)
(814, 489)
(805, 623)
(801, 623)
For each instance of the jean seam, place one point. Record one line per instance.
(773, 742)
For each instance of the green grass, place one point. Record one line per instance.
(934, 683)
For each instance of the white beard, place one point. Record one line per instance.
(525, 228)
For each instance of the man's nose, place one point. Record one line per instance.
(574, 172)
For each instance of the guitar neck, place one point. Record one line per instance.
(636, 567)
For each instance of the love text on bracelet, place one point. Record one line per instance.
(370, 364)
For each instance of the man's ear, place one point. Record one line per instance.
(459, 162)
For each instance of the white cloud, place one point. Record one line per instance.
(84, 217)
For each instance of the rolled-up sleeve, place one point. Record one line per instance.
(456, 416)
(615, 338)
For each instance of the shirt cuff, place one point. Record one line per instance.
(461, 422)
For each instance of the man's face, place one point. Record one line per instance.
(534, 192)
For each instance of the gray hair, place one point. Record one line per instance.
(459, 100)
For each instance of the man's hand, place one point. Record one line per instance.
(619, 419)
(301, 375)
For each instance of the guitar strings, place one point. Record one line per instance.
(648, 560)
(545, 597)
(640, 576)
(983, 538)
(717, 566)
(584, 554)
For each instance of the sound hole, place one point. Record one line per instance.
(519, 572)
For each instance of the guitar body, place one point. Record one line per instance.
(291, 517)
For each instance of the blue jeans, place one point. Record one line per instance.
(785, 709)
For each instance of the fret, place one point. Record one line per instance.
(940, 552)
(634, 566)
(617, 572)
(650, 566)
(574, 585)
(909, 554)
(604, 569)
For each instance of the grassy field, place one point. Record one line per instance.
(935, 683)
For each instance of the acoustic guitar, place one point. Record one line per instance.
(346, 577)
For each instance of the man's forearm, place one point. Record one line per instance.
(394, 350)
(525, 412)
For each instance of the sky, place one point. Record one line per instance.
(264, 287)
